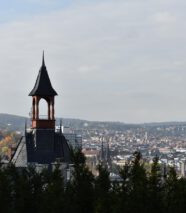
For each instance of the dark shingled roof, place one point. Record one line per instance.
(42, 146)
(43, 86)
(45, 146)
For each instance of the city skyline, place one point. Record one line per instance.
(110, 61)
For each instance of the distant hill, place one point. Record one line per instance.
(12, 122)
(17, 123)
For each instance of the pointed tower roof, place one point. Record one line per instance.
(43, 86)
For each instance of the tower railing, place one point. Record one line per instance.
(44, 117)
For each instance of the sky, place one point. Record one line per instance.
(109, 60)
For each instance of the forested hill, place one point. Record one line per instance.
(14, 122)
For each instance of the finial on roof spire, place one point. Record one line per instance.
(43, 62)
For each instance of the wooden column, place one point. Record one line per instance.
(53, 109)
(33, 109)
(49, 117)
(37, 108)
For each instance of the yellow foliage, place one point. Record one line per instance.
(5, 149)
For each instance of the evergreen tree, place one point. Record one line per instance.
(102, 191)
(137, 186)
(80, 190)
(116, 197)
(180, 196)
(26, 190)
(7, 188)
(171, 187)
(29, 190)
(53, 191)
(122, 192)
(23, 196)
(155, 188)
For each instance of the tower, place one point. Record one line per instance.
(43, 90)
(42, 144)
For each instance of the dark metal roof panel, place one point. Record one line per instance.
(45, 146)
(43, 86)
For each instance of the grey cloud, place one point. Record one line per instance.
(108, 60)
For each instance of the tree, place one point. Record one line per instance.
(32, 190)
(102, 191)
(171, 188)
(136, 185)
(121, 191)
(79, 192)
(7, 188)
(155, 188)
(53, 191)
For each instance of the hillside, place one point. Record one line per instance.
(12, 122)
(17, 123)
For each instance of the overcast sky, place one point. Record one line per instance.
(110, 60)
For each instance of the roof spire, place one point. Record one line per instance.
(43, 85)
(43, 61)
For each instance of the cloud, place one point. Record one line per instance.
(164, 17)
(108, 60)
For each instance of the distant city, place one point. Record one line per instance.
(112, 142)
(166, 140)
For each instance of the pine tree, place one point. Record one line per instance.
(171, 184)
(34, 191)
(122, 192)
(137, 185)
(53, 193)
(102, 191)
(7, 189)
(155, 188)
(80, 190)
